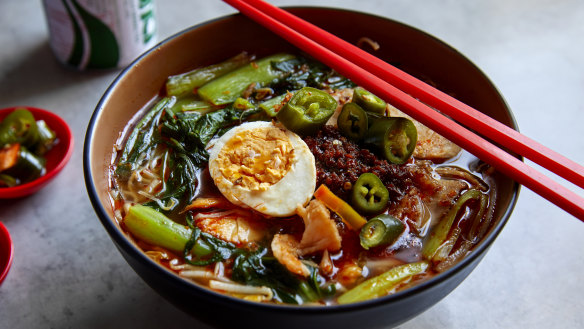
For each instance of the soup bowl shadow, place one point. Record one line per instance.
(410, 49)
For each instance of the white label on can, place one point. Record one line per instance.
(100, 33)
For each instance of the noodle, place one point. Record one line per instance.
(234, 288)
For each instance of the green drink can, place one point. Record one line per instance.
(100, 34)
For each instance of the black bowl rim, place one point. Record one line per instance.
(123, 241)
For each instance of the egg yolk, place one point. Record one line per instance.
(256, 159)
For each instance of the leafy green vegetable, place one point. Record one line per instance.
(179, 132)
(143, 139)
(215, 250)
(180, 187)
(209, 124)
(260, 269)
(301, 72)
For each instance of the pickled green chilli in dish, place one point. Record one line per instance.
(23, 143)
(277, 180)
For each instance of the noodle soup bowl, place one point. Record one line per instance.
(408, 48)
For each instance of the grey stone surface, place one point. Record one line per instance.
(68, 274)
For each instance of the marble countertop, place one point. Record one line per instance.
(68, 274)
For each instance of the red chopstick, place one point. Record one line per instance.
(499, 159)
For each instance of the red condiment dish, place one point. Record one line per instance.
(56, 158)
(6, 252)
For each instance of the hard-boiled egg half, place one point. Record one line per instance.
(264, 167)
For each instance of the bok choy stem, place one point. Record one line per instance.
(382, 284)
(227, 88)
(155, 228)
(183, 84)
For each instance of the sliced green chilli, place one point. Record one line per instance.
(28, 166)
(368, 101)
(395, 138)
(19, 127)
(307, 111)
(352, 121)
(381, 230)
(369, 195)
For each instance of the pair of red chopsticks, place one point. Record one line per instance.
(399, 89)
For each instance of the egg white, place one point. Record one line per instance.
(279, 199)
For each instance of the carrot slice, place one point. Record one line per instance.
(9, 156)
(343, 209)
